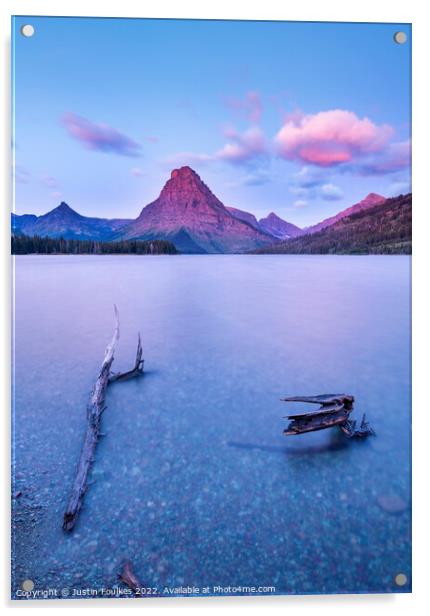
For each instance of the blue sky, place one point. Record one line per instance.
(302, 119)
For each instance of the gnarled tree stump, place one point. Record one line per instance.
(334, 410)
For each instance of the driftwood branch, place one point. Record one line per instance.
(135, 371)
(95, 409)
(129, 578)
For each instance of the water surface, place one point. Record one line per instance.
(194, 482)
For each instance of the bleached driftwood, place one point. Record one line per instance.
(95, 409)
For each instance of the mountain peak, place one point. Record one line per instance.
(372, 199)
(185, 179)
(64, 208)
(278, 227)
(187, 212)
(185, 185)
(368, 202)
(373, 195)
(184, 172)
(61, 212)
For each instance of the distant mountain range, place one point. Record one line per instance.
(368, 202)
(272, 224)
(64, 222)
(191, 217)
(382, 228)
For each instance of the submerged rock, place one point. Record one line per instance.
(392, 503)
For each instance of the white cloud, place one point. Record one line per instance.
(331, 192)
(243, 147)
(137, 172)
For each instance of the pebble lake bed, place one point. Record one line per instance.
(193, 482)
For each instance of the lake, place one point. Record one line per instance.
(194, 482)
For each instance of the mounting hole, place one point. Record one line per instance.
(27, 585)
(400, 38)
(400, 579)
(27, 30)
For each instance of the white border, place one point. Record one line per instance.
(414, 11)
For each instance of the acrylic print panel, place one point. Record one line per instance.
(238, 195)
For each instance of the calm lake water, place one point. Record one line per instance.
(194, 482)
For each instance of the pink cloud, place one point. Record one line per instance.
(251, 106)
(295, 116)
(241, 149)
(243, 146)
(330, 138)
(100, 137)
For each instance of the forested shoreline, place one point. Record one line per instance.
(382, 229)
(24, 245)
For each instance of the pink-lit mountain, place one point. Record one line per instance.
(278, 227)
(245, 216)
(371, 200)
(189, 215)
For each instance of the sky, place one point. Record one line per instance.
(300, 118)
